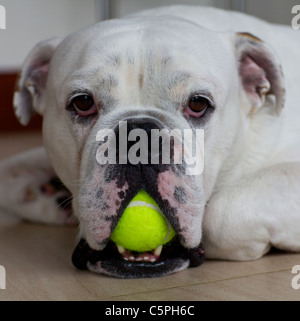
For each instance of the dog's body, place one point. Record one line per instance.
(148, 68)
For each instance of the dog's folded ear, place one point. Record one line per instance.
(32, 80)
(260, 72)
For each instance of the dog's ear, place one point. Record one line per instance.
(260, 72)
(32, 80)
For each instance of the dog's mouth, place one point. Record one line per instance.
(178, 196)
(119, 262)
(114, 260)
(178, 254)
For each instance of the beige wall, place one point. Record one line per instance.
(277, 11)
(30, 21)
(122, 7)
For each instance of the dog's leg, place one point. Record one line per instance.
(29, 189)
(243, 221)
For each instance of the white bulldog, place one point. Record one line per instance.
(174, 67)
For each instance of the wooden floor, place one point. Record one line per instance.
(38, 266)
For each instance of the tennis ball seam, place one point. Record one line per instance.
(142, 203)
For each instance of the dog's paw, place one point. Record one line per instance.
(36, 195)
(49, 202)
(30, 190)
(63, 198)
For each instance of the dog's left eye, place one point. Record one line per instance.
(197, 106)
(84, 105)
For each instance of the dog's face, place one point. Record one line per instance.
(153, 74)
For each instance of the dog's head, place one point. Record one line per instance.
(129, 78)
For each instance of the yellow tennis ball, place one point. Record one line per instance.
(142, 226)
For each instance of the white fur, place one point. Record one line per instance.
(251, 181)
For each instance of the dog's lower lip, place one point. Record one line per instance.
(84, 257)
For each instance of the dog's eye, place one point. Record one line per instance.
(197, 106)
(84, 105)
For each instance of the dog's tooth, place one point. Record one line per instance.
(121, 249)
(158, 250)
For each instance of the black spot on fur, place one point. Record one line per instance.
(104, 207)
(108, 218)
(121, 194)
(179, 195)
(99, 193)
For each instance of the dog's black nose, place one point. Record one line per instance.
(145, 124)
(139, 141)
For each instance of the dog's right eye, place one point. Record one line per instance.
(197, 106)
(84, 105)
